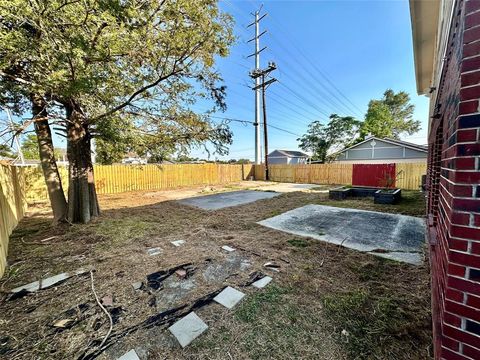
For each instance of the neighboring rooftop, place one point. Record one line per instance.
(292, 153)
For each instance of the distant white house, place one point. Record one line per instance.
(132, 158)
(377, 150)
(287, 157)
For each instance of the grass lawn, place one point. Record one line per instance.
(326, 302)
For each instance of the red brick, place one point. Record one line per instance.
(461, 190)
(476, 219)
(466, 205)
(471, 6)
(471, 352)
(463, 285)
(462, 336)
(475, 248)
(459, 245)
(466, 177)
(466, 135)
(465, 259)
(472, 20)
(460, 218)
(465, 233)
(471, 49)
(473, 301)
(448, 354)
(463, 310)
(464, 163)
(456, 270)
(472, 78)
(450, 343)
(467, 150)
(455, 296)
(474, 91)
(452, 320)
(471, 35)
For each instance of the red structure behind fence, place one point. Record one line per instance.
(374, 175)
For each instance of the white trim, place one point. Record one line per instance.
(384, 140)
(288, 157)
(382, 161)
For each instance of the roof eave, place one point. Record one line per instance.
(424, 16)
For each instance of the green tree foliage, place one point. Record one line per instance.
(390, 116)
(6, 151)
(320, 139)
(111, 64)
(107, 153)
(29, 147)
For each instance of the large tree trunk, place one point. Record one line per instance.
(48, 161)
(82, 196)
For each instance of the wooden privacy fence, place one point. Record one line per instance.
(110, 179)
(409, 174)
(334, 173)
(13, 205)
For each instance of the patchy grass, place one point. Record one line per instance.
(259, 303)
(372, 325)
(367, 322)
(270, 324)
(320, 290)
(299, 242)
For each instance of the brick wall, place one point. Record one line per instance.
(454, 192)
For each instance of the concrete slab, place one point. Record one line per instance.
(414, 258)
(228, 248)
(399, 237)
(154, 251)
(227, 199)
(218, 271)
(262, 282)
(131, 355)
(48, 282)
(188, 329)
(229, 297)
(178, 243)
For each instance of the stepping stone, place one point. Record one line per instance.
(188, 329)
(154, 251)
(178, 243)
(229, 297)
(228, 248)
(137, 285)
(262, 282)
(48, 282)
(131, 355)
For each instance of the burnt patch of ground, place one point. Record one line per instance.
(296, 316)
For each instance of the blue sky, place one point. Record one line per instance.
(362, 47)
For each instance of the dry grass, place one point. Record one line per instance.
(321, 290)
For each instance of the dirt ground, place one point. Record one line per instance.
(325, 302)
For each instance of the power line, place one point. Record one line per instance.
(300, 121)
(247, 122)
(300, 97)
(336, 100)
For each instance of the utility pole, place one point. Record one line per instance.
(257, 52)
(262, 74)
